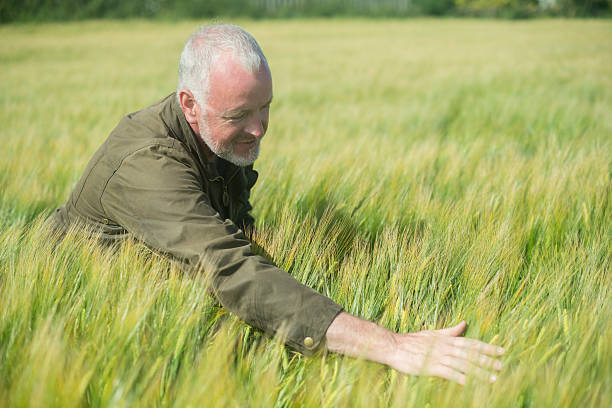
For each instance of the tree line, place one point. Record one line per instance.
(62, 10)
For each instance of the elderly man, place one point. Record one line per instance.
(177, 176)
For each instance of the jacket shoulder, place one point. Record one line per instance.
(143, 130)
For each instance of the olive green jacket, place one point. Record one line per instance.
(152, 179)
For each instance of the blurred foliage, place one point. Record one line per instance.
(529, 8)
(54, 10)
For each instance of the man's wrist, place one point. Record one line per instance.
(356, 337)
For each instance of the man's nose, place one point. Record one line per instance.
(257, 126)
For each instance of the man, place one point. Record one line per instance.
(177, 176)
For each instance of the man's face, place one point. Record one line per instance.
(237, 111)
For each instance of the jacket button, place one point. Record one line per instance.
(308, 342)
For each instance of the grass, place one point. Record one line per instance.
(418, 172)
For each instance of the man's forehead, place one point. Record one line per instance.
(232, 83)
(228, 64)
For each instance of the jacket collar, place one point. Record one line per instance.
(214, 166)
(174, 118)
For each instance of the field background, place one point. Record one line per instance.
(418, 172)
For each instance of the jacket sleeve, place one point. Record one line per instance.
(155, 195)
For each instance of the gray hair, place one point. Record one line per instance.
(203, 49)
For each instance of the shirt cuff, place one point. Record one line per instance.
(307, 335)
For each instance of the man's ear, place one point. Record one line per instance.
(190, 107)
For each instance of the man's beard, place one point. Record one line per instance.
(227, 152)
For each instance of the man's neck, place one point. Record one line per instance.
(210, 156)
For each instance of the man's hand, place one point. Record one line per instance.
(441, 353)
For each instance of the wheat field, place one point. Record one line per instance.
(418, 172)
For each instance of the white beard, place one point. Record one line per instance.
(227, 152)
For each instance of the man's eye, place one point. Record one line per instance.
(236, 118)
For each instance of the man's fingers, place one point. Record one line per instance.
(446, 355)
(444, 371)
(464, 366)
(476, 345)
(452, 331)
(476, 357)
